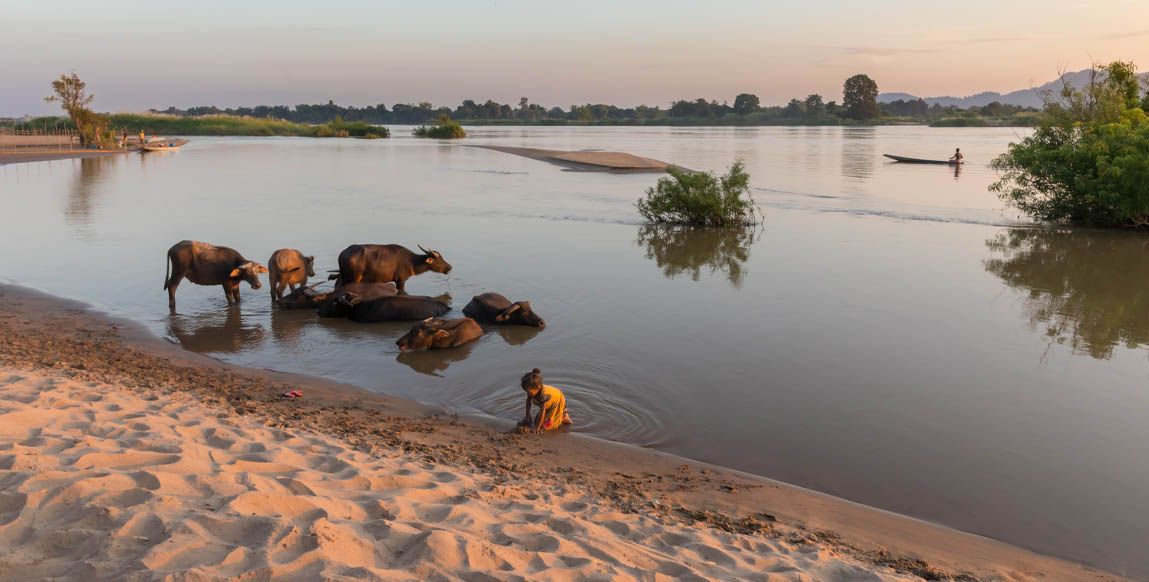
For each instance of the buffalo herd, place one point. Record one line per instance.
(368, 288)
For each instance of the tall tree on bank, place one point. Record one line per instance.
(860, 97)
(745, 103)
(69, 91)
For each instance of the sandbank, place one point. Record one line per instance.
(592, 161)
(124, 457)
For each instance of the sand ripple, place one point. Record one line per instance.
(97, 484)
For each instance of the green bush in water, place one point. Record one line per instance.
(444, 128)
(701, 199)
(1087, 161)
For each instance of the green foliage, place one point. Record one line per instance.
(70, 92)
(207, 125)
(860, 97)
(444, 128)
(340, 128)
(745, 103)
(701, 199)
(1088, 159)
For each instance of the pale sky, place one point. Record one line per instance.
(140, 54)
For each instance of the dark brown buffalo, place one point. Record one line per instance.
(387, 263)
(397, 308)
(303, 298)
(437, 334)
(494, 308)
(205, 264)
(288, 268)
(330, 306)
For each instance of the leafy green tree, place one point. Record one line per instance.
(860, 97)
(701, 199)
(814, 105)
(70, 92)
(795, 108)
(1088, 159)
(745, 103)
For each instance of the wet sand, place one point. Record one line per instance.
(588, 161)
(19, 158)
(123, 456)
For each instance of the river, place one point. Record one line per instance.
(891, 334)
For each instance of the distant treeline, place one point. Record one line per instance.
(745, 111)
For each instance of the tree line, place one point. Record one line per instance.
(859, 104)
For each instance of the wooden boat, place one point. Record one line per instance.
(906, 160)
(163, 146)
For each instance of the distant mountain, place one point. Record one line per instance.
(1023, 97)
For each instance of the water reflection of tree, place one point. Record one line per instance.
(85, 186)
(689, 250)
(1089, 289)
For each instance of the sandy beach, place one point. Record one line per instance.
(123, 457)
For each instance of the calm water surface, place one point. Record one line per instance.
(891, 335)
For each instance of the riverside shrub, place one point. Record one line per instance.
(701, 199)
(1087, 162)
(444, 128)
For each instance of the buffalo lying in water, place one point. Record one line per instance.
(397, 308)
(437, 334)
(494, 308)
(288, 268)
(329, 305)
(387, 263)
(206, 264)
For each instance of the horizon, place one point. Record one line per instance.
(136, 56)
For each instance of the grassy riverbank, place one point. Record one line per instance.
(218, 125)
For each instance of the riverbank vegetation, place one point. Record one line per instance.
(94, 129)
(213, 125)
(701, 199)
(1087, 162)
(444, 128)
(859, 107)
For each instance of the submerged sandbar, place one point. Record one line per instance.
(589, 161)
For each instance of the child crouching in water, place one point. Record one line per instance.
(550, 400)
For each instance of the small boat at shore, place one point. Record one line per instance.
(906, 160)
(163, 146)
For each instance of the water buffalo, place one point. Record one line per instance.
(205, 264)
(397, 308)
(330, 306)
(437, 334)
(303, 297)
(288, 268)
(494, 308)
(384, 263)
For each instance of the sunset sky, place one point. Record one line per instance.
(137, 55)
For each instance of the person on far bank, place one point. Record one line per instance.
(550, 400)
(957, 157)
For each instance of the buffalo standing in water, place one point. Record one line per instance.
(494, 308)
(397, 308)
(387, 263)
(288, 268)
(205, 264)
(439, 334)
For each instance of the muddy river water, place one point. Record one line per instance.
(891, 335)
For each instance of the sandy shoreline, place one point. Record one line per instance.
(474, 502)
(20, 158)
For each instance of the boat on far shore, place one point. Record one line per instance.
(163, 146)
(906, 160)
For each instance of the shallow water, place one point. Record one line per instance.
(891, 335)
